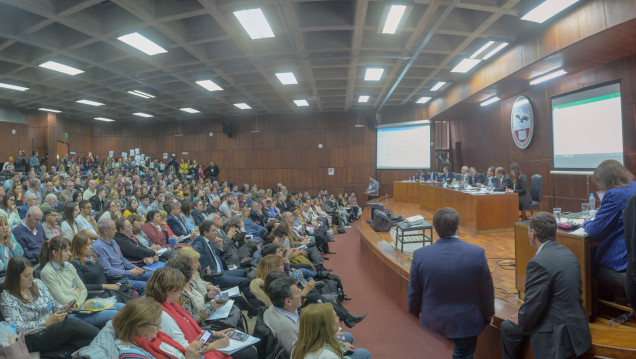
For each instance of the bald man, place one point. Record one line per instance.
(30, 234)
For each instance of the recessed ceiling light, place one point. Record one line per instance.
(89, 102)
(438, 86)
(104, 119)
(423, 99)
(143, 114)
(140, 94)
(243, 106)
(189, 110)
(363, 99)
(373, 74)
(48, 109)
(286, 78)
(56, 66)
(209, 85)
(495, 50)
(255, 23)
(393, 19)
(13, 87)
(548, 76)
(547, 9)
(301, 103)
(142, 43)
(465, 65)
(482, 49)
(490, 101)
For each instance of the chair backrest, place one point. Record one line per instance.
(536, 187)
(458, 176)
(37, 269)
(268, 347)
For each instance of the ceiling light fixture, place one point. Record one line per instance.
(301, 103)
(482, 49)
(286, 78)
(189, 110)
(373, 74)
(140, 94)
(243, 106)
(495, 50)
(142, 43)
(396, 12)
(547, 9)
(255, 23)
(209, 85)
(438, 86)
(363, 99)
(48, 109)
(423, 99)
(56, 66)
(490, 101)
(143, 114)
(548, 76)
(13, 87)
(465, 65)
(89, 102)
(103, 119)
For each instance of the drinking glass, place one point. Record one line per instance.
(557, 213)
(585, 210)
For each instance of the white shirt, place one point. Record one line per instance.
(83, 223)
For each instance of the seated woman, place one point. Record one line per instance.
(69, 217)
(519, 185)
(63, 282)
(353, 202)
(130, 247)
(618, 186)
(317, 332)
(112, 210)
(137, 327)
(131, 207)
(9, 209)
(26, 303)
(155, 230)
(186, 211)
(86, 265)
(137, 222)
(165, 287)
(51, 228)
(9, 247)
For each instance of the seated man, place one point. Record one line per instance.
(31, 201)
(475, 178)
(174, 220)
(110, 257)
(211, 249)
(256, 214)
(50, 202)
(447, 175)
(97, 201)
(490, 178)
(85, 221)
(30, 234)
(282, 317)
(502, 180)
(130, 247)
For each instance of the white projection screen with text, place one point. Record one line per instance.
(587, 127)
(404, 146)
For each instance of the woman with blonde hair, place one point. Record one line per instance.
(318, 325)
(9, 247)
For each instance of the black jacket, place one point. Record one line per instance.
(97, 204)
(501, 185)
(131, 249)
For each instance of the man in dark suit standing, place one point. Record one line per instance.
(451, 287)
(474, 177)
(502, 180)
(552, 314)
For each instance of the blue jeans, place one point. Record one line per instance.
(232, 278)
(98, 319)
(139, 283)
(359, 353)
(307, 274)
(464, 348)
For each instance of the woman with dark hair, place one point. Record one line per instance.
(131, 207)
(77, 196)
(26, 303)
(186, 211)
(86, 265)
(18, 191)
(519, 185)
(69, 217)
(616, 185)
(65, 284)
(154, 229)
(9, 209)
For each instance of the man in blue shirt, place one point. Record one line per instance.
(30, 234)
(110, 257)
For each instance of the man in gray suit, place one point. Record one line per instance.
(553, 314)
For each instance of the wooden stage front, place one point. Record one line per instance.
(392, 270)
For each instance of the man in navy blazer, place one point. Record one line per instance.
(451, 287)
(174, 221)
(475, 177)
(447, 175)
(552, 314)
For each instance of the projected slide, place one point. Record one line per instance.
(404, 147)
(587, 127)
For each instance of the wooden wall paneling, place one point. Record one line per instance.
(567, 30)
(619, 11)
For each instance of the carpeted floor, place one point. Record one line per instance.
(387, 332)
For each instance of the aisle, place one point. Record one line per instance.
(387, 332)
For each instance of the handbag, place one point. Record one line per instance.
(18, 350)
(124, 294)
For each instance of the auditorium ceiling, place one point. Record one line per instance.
(327, 45)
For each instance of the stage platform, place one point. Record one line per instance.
(392, 268)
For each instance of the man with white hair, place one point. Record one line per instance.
(67, 194)
(30, 233)
(31, 200)
(50, 202)
(34, 187)
(90, 191)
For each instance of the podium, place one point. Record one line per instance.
(404, 234)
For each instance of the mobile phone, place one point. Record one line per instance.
(222, 298)
(248, 236)
(205, 337)
(68, 306)
(236, 335)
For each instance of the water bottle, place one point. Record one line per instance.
(299, 276)
(621, 319)
(592, 202)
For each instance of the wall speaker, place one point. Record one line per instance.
(227, 128)
(371, 124)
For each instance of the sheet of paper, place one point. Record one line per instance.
(222, 312)
(162, 251)
(232, 292)
(236, 345)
